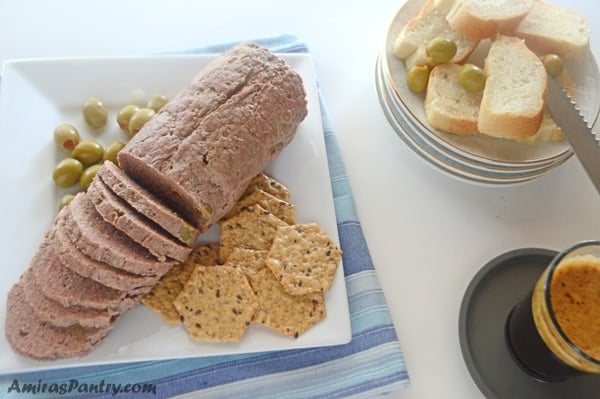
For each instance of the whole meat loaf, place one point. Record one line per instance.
(184, 170)
(202, 149)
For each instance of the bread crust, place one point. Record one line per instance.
(465, 20)
(508, 125)
(542, 38)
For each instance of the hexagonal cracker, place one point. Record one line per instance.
(288, 314)
(160, 298)
(206, 254)
(270, 185)
(217, 304)
(281, 209)
(252, 228)
(303, 258)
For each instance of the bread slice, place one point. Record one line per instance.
(481, 19)
(512, 105)
(410, 44)
(550, 29)
(448, 106)
(549, 131)
(452, 109)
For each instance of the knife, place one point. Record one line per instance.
(583, 140)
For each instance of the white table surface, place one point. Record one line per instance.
(428, 233)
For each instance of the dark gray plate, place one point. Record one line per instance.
(488, 300)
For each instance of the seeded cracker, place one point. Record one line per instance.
(217, 304)
(270, 185)
(160, 298)
(288, 314)
(206, 255)
(279, 208)
(251, 261)
(303, 258)
(252, 228)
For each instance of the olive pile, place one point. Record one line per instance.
(86, 156)
(471, 77)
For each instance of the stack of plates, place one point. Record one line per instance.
(478, 158)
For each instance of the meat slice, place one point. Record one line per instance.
(202, 149)
(69, 288)
(37, 339)
(104, 243)
(147, 204)
(104, 274)
(58, 315)
(141, 230)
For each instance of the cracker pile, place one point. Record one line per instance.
(266, 270)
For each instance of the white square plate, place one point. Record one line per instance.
(37, 95)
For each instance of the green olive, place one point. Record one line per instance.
(94, 113)
(417, 78)
(88, 175)
(441, 50)
(157, 102)
(472, 78)
(67, 172)
(139, 119)
(554, 64)
(66, 137)
(110, 154)
(65, 200)
(125, 114)
(185, 232)
(88, 152)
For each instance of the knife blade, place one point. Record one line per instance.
(580, 135)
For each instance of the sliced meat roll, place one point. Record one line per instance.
(119, 214)
(147, 204)
(202, 149)
(37, 339)
(104, 243)
(69, 288)
(104, 274)
(58, 315)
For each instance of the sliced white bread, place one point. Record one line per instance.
(410, 44)
(512, 105)
(548, 131)
(452, 109)
(480, 19)
(448, 106)
(550, 29)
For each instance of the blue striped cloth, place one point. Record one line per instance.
(370, 365)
